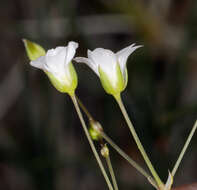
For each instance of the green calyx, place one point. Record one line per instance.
(94, 134)
(114, 85)
(67, 84)
(95, 130)
(105, 151)
(125, 77)
(33, 50)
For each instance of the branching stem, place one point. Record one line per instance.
(138, 142)
(184, 149)
(91, 143)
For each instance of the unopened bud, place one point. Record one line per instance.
(105, 151)
(96, 126)
(33, 50)
(95, 130)
(94, 134)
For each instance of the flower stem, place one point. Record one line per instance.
(111, 171)
(84, 109)
(118, 149)
(91, 142)
(130, 160)
(184, 149)
(138, 142)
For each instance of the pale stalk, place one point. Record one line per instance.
(91, 142)
(184, 149)
(118, 149)
(111, 171)
(138, 142)
(129, 159)
(84, 109)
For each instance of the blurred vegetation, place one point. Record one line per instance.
(42, 144)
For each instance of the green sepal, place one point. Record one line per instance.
(33, 50)
(95, 129)
(73, 78)
(95, 135)
(105, 151)
(67, 84)
(125, 78)
(112, 87)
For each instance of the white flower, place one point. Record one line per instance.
(58, 66)
(110, 67)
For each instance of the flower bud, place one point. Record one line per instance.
(94, 130)
(33, 50)
(105, 151)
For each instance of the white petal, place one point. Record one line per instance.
(105, 59)
(55, 60)
(124, 54)
(88, 62)
(54, 52)
(94, 65)
(39, 62)
(71, 50)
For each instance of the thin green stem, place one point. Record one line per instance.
(138, 142)
(91, 142)
(118, 149)
(84, 109)
(184, 149)
(111, 171)
(129, 159)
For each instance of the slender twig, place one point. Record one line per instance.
(184, 149)
(129, 159)
(111, 171)
(118, 149)
(84, 109)
(91, 142)
(138, 142)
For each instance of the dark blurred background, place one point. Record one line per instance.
(42, 144)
